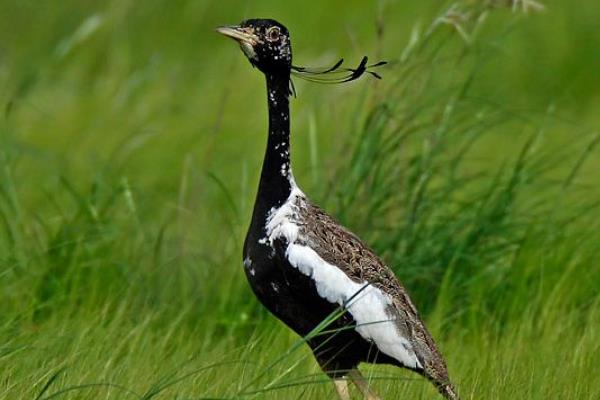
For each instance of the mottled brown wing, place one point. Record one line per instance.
(340, 247)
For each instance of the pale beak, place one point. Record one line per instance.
(239, 34)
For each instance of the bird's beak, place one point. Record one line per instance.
(242, 35)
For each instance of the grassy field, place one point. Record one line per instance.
(131, 137)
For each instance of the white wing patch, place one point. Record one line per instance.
(368, 307)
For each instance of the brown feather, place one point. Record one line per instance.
(338, 246)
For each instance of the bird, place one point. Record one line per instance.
(304, 266)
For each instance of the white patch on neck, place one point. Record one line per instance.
(280, 221)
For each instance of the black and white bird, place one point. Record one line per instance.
(303, 265)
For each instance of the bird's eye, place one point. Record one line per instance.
(273, 34)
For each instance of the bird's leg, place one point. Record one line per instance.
(341, 387)
(363, 385)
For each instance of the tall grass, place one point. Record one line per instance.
(120, 246)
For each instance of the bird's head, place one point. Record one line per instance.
(265, 42)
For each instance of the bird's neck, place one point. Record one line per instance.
(276, 180)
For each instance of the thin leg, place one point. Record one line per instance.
(362, 384)
(341, 387)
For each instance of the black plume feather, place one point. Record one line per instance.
(336, 74)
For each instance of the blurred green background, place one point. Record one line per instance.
(131, 139)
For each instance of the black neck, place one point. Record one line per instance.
(276, 179)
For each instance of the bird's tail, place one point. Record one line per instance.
(448, 391)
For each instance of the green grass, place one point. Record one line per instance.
(131, 138)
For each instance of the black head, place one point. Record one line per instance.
(265, 42)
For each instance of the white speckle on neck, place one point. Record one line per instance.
(272, 98)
